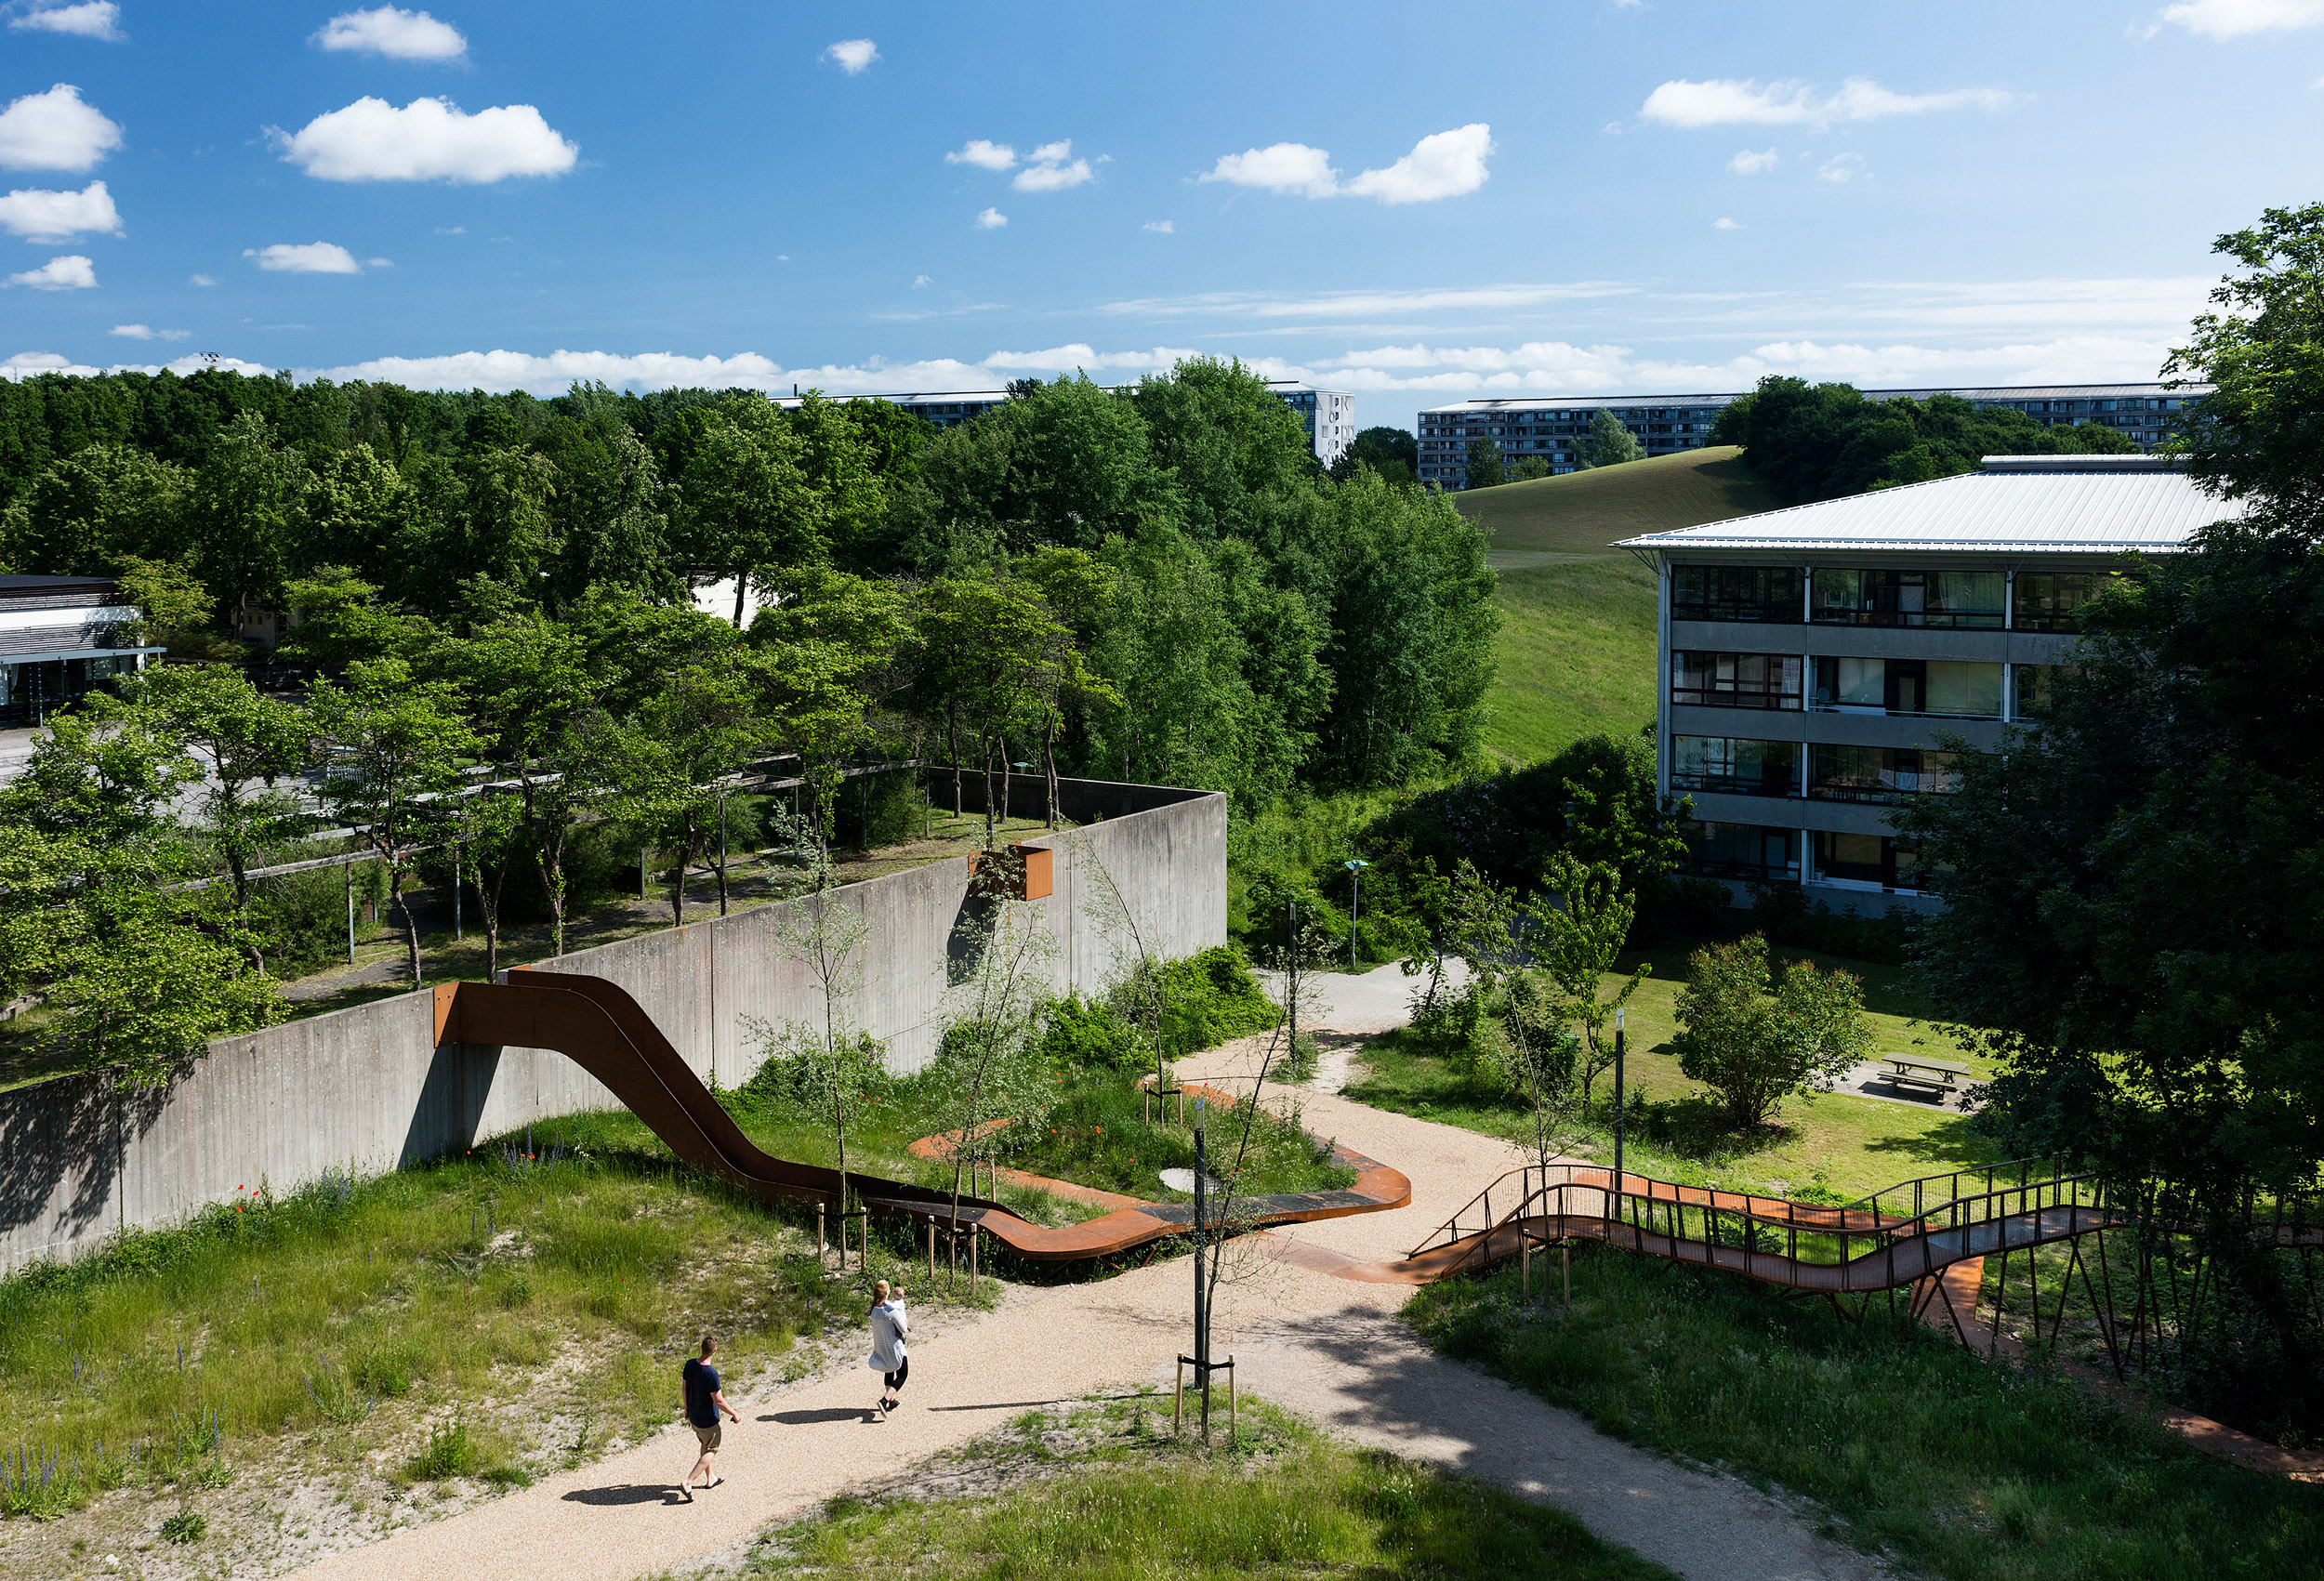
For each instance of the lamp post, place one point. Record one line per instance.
(1355, 885)
(1618, 1110)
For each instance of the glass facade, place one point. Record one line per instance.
(1769, 594)
(1943, 688)
(1742, 851)
(1885, 860)
(1734, 767)
(2052, 600)
(1955, 600)
(1878, 773)
(1736, 680)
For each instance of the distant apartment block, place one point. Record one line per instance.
(1553, 429)
(1328, 414)
(1810, 658)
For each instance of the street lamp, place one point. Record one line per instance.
(1355, 886)
(1617, 1107)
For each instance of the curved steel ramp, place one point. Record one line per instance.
(597, 1025)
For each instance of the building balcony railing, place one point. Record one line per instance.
(1905, 788)
(1731, 697)
(1876, 712)
(1730, 867)
(1942, 620)
(1733, 785)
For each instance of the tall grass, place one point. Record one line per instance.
(1962, 1467)
(281, 1313)
(1142, 1505)
(1097, 1134)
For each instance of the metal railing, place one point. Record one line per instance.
(1878, 1241)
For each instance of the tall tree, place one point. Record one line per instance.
(1482, 468)
(389, 747)
(1610, 443)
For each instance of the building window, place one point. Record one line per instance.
(2034, 686)
(1870, 859)
(1954, 598)
(2053, 600)
(1734, 767)
(1736, 680)
(1742, 850)
(1879, 774)
(1944, 688)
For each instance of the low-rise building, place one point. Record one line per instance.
(60, 637)
(1552, 428)
(1809, 659)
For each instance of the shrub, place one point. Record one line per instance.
(1086, 1033)
(185, 1527)
(1783, 914)
(1755, 1046)
(451, 1451)
(1210, 997)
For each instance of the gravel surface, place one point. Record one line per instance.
(1329, 1347)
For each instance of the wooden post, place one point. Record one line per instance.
(1234, 1427)
(1178, 1398)
(819, 1235)
(972, 1237)
(931, 1248)
(1566, 1268)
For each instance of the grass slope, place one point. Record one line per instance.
(1583, 512)
(1575, 653)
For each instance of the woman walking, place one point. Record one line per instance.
(889, 1357)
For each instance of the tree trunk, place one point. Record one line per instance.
(1048, 764)
(242, 905)
(742, 586)
(952, 750)
(411, 923)
(721, 856)
(988, 792)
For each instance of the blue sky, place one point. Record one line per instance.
(1418, 202)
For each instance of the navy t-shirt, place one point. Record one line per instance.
(702, 1382)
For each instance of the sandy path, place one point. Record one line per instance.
(1327, 1348)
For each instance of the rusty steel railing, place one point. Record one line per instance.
(1872, 1244)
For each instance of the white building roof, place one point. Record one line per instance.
(2046, 504)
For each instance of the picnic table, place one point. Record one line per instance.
(1913, 1068)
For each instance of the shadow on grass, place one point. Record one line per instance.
(1947, 1142)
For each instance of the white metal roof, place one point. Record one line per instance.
(1495, 405)
(2024, 504)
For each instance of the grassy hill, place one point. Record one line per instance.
(1582, 513)
(1575, 654)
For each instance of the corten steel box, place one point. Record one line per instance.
(1015, 873)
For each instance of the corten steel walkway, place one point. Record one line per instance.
(1904, 1235)
(597, 1026)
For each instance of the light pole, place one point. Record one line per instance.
(1355, 888)
(1618, 1108)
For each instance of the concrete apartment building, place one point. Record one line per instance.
(1808, 659)
(1552, 427)
(60, 635)
(1328, 414)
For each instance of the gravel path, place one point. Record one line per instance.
(1327, 1346)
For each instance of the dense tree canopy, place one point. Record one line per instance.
(1821, 442)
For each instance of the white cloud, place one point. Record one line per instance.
(201, 280)
(305, 257)
(1841, 168)
(921, 282)
(90, 19)
(1161, 227)
(1052, 169)
(1722, 101)
(983, 154)
(2236, 19)
(53, 216)
(28, 364)
(1278, 167)
(71, 272)
(991, 220)
(396, 33)
(378, 263)
(1443, 165)
(55, 131)
(1750, 164)
(143, 332)
(429, 140)
(1724, 223)
(851, 55)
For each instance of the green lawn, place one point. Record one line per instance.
(1103, 1493)
(1583, 512)
(1832, 1143)
(1960, 1468)
(1575, 654)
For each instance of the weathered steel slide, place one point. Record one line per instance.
(597, 1026)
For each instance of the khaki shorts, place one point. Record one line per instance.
(709, 1436)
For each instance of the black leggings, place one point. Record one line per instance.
(896, 1378)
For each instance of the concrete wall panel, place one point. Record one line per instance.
(367, 1088)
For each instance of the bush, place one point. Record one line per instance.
(451, 1451)
(1086, 1033)
(1207, 998)
(1783, 914)
(185, 1527)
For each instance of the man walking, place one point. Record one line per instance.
(705, 1400)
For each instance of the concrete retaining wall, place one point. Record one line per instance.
(367, 1088)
